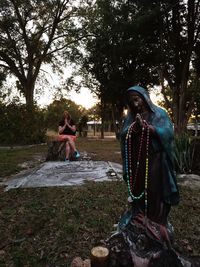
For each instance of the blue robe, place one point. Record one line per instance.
(161, 146)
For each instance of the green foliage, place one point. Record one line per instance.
(55, 111)
(122, 49)
(184, 154)
(147, 43)
(21, 126)
(82, 125)
(83, 121)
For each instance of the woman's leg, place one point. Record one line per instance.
(73, 150)
(67, 150)
(72, 146)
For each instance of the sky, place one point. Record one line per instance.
(84, 98)
(43, 98)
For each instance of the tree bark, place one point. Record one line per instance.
(102, 118)
(29, 97)
(182, 97)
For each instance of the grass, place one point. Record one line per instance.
(49, 226)
(45, 226)
(11, 158)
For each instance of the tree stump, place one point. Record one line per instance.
(56, 150)
(99, 257)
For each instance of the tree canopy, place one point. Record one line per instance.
(179, 45)
(146, 43)
(55, 111)
(34, 32)
(128, 42)
(122, 50)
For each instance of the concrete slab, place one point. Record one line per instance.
(54, 173)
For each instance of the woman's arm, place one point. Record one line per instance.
(72, 127)
(61, 129)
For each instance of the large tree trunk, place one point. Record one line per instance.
(117, 112)
(102, 118)
(182, 110)
(29, 97)
(102, 128)
(114, 119)
(179, 127)
(180, 99)
(29, 87)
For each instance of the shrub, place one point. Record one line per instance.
(82, 124)
(184, 153)
(21, 126)
(55, 111)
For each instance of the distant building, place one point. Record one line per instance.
(96, 126)
(193, 129)
(91, 125)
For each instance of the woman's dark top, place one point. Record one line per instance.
(67, 130)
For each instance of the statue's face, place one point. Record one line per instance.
(135, 102)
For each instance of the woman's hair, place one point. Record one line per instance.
(66, 114)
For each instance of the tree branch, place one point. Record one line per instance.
(22, 25)
(68, 44)
(18, 55)
(12, 66)
(4, 66)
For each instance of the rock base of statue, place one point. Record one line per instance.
(78, 262)
(142, 243)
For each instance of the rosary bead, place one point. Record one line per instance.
(128, 158)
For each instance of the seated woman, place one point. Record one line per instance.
(67, 132)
